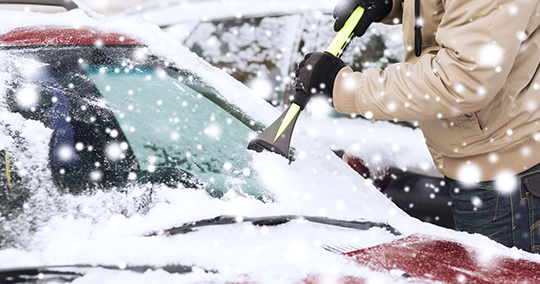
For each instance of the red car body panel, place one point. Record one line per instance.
(425, 258)
(54, 35)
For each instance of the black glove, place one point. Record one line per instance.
(315, 76)
(374, 10)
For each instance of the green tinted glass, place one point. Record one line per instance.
(170, 125)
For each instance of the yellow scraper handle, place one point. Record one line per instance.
(277, 137)
(344, 36)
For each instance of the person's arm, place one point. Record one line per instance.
(316, 74)
(479, 39)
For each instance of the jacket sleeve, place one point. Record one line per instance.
(478, 41)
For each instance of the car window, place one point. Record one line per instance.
(168, 124)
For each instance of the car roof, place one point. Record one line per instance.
(59, 35)
(37, 34)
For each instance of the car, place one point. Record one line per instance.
(126, 161)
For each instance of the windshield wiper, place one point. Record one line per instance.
(68, 273)
(37, 275)
(274, 221)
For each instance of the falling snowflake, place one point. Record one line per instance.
(27, 97)
(213, 131)
(490, 55)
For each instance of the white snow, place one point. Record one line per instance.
(109, 227)
(396, 145)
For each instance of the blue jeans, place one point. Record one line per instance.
(510, 217)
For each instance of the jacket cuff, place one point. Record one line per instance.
(395, 15)
(346, 91)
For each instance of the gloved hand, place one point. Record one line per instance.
(374, 10)
(315, 75)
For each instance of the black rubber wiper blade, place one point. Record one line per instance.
(43, 274)
(274, 221)
(68, 273)
(358, 225)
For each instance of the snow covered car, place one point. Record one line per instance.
(125, 161)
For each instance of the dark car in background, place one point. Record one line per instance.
(260, 44)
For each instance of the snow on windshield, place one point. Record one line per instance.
(109, 227)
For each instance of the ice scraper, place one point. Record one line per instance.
(277, 137)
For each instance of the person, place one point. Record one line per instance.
(470, 78)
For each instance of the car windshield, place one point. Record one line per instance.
(174, 130)
(170, 125)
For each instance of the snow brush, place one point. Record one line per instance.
(277, 137)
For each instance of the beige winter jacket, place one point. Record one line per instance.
(475, 89)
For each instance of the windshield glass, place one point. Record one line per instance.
(168, 124)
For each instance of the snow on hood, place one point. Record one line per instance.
(106, 227)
